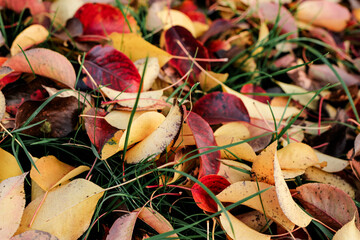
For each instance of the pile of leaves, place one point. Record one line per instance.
(185, 119)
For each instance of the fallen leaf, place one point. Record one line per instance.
(251, 88)
(328, 204)
(9, 167)
(111, 68)
(152, 70)
(135, 47)
(263, 167)
(204, 138)
(239, 151)
(322, 73)
(18, 6)
(44, 62)
(171, 17)
(32, 35)
(287, 203)
(206, 83)
(156, 221)
(333, 164)
(297, 155)
(50, 172)
(321, 13)
(193, 46)
(215, 184)
(317, 175)
(218, 107)
(266, 203)
(104, 19)
(237, 230)
(111, 146)
(123, 227)
(255, 220)
(234, 129)
(120, 119)
(348, 231)
(234, 171)
(65, 9)
(158, 140)
(34, 234)
(55, 124)
(66, 212)
(12, 204)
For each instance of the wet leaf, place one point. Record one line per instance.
(193, 46)
(327, 203)
(55, 124)
(104, 19)
(111, 68)
(158, 140)
(66, 212)
(9, 167)
(32, 35)
(46, 63)
(135, 47)
(215, 184)
(321, 13)
(12, 204)
(218, 107)
(97, 128)
(34, 234)
(123, 227)
(204, 137)
(51, 172)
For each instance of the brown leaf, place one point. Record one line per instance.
(34, 234)
(123, 227)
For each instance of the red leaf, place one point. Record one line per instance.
(251, 88)
(218, 107)
(18, 6)
(98, 130)
(204, 137)
(103, 19)
(216, 184)
(192, 11)
(327, 203)
(193, 46)
(112, 68)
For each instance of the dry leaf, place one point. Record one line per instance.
(158, 140)
(123, 227)
(255, 220)
(111, 146)
(52, 172)
(317, 175)
(34, 234)
(268, 202)
(237, 230)
(297, 155)
(263, 165)
(135, 47)
(12, 203)
(234, 171)
(171, 17)
(206, 83)
(349, 232)
(120, 119)
(152, 71)
(65, 9)
(66, 212)
(234, 129)
(32, 35)
(9, 167)
(240, 151)
(333, 164)
(287, 203)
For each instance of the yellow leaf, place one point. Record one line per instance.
(158, 140)
(135, 47)
(171, 17)
(120, 119)
(8, 165)
(234, 129)
(65, 9)
(12, 203)
(186, 137)
(261, 110)
(66, 212)
(268, 202)
(263, 165)
(32, 35)
(152, 71)
(255, 220)
(126, 99)
(53, 172)
(241, 231)
(348, 232)
(294, 213)
(206, 83)
(112, 145)
(141, 128)
(317, 175)
(156, 221)
(231, 171)
(200, 28)
(333, 164)
(243, 150)
(297, 156)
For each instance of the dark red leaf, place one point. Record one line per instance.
(112, 68)
(97, 128)
(103, 19)
(60, 115)
(204, 137)
(192, 11)
(10, 78)
(193, 46)
(218, 107)
(327, 203)
(251, 88)
(216, 184)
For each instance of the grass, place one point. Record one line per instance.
(188, 220)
